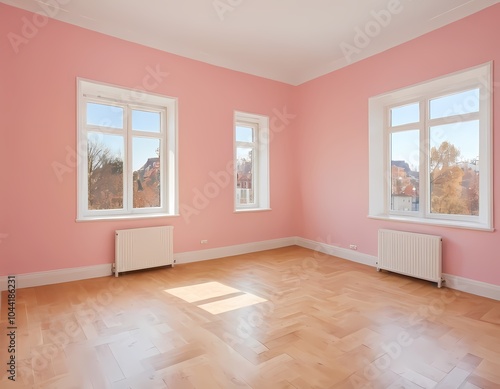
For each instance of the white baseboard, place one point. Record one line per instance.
(57, 276)
(228, 251)
(471, 286)
(454, 282)
(80, 273)
(351, 255)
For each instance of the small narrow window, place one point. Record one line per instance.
(251, 161)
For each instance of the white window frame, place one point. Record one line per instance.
(129, 99)
(260, 156)
(380, 155)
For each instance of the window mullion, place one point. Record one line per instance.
(245, 144)
(424, 182)
(388, 165)
(104, 130)
(150, 135)
(255, 174)
(466, 117)
(83, 175)
(128, 181)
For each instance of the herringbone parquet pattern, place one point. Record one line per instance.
(286, 318)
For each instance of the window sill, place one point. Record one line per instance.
(123, 217)
(435, 222)
(252, 210)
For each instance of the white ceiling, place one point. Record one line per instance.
(292, 41)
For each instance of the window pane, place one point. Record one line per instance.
(244, 176)
(244, 134)
(104, 115)
(145, 121)
(456, 104)
(105, 171)
(146, 176)
(405, 114)
(405, 160)
(454, 168)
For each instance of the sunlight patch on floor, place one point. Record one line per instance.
(245, 300)
(209, 290)
(199, 292)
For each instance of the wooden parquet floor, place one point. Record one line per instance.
(288, 318)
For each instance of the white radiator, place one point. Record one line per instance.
(411, 254)
(141, 248)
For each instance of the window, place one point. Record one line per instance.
(431, 152)
(251, 160)
(127, 143)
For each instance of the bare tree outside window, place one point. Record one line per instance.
(105, 177)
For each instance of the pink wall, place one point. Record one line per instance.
(38, 102)
(333, 143)
(319, 175)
